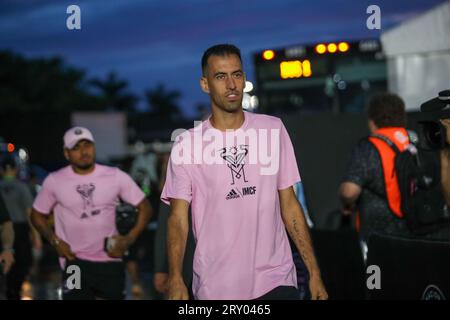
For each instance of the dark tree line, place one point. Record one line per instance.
(49, 85)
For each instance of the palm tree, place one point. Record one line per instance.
(42, 85)
(114, 93)
(163, 102)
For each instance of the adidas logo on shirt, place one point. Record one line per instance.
(232, 195)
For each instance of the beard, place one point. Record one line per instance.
(84, 166)
(227, 106)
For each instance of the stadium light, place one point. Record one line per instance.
(268, 55)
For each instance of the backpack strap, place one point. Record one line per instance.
(387, 141)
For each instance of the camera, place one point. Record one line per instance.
(126, 217)
(434, 132)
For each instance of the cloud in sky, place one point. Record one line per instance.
(147, 42)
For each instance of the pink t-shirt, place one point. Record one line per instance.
(242, 249)
(84, 207)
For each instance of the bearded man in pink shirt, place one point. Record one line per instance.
(83, 197)
(236, 171)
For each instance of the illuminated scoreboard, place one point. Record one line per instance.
(328, 76)
(295, 69)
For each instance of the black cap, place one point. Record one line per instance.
(438, 103)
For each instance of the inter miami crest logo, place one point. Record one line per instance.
(86, 191)
(432, 292)
(235, 159)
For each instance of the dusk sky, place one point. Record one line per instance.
(149, 42)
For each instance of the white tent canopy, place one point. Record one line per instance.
(418, 53)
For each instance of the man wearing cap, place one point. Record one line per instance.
(83, 197)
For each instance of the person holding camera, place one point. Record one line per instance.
(372, 184)
(83, 197)
(366, 187)
(436, 135)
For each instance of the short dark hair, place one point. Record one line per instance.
(387, 110)
(8, 163)
(219, 50)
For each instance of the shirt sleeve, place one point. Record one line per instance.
(129, 190)
(362, 165)
(178, 183)
(288, 173)
(45, 199)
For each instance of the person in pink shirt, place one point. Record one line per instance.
(83, 197)
(236, 171)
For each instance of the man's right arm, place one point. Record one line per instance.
(349, 193)
(44, 202)
(360, 170)
(39, 221)
(177, 231)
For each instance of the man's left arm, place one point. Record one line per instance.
(297, 228)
